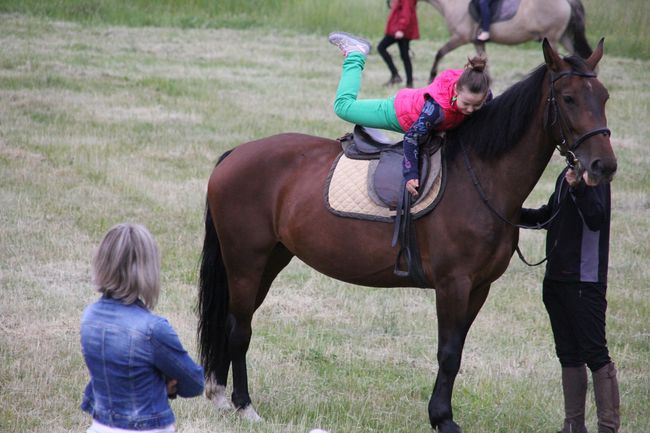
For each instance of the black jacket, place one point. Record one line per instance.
(577, 242)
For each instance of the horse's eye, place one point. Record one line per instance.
(568, 99)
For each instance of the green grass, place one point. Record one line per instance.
(623, 21)
(624, 24)
(101, 124)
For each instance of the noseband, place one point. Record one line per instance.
(553, 112)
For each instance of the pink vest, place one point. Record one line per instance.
(409, 102)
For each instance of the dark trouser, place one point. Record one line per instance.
(577, 314)
(484, 7)
(403, 45)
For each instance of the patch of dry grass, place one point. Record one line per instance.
(104, 125)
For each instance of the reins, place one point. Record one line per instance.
(405, 236)
(486, 201)
(568, 151)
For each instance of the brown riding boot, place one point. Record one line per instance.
(574, 388)
(607, 399)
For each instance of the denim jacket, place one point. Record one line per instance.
(130, 354)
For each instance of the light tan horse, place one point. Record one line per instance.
(560, 21)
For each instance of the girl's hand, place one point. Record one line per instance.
(412, 186)
(399, 34)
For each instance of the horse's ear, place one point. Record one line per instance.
(595, 57)
(551, 58)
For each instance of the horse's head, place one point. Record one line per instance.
(575, 116)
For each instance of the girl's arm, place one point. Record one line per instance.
(430, 116)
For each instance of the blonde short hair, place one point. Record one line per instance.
(126, 265)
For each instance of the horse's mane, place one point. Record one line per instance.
(498, 127)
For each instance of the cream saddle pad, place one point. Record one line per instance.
(348, 194)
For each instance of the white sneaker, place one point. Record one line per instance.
(349, 43)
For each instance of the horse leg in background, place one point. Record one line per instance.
(457, 307)
(454, 42)
(480, 48)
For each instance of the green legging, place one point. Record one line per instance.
(374, 113)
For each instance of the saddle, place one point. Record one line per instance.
(385, 169)
(500, 10)
(366, 182)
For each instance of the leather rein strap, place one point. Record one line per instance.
(553, 112)
(404, 233)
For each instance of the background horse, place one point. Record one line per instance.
(265, 205)
(560, 21)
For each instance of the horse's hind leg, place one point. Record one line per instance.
(454, 42)
(215, 387)
(249, 284)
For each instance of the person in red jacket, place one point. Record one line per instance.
(401, 28)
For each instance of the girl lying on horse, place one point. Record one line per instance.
(442, 105)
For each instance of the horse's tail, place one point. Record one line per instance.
(213, 299)
(576, 28)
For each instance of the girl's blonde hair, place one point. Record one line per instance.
(126, 265)
(475, 78)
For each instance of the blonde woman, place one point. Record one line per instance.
(135, 359)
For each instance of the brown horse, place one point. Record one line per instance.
(562, 22)
(265, 205)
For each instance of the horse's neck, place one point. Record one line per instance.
(438, 5)
(451, 10)
(509, 179)
(520, 169)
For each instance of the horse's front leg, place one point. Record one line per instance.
(457, 306)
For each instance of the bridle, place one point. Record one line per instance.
(553, 115)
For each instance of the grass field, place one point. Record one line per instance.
(101, 124)
(624, 22)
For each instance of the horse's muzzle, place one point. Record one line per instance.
(599, 171)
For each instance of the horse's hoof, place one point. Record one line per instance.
(448, 426)
(222, 403)
(217, 394)
(212, 388)
(248, 413)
